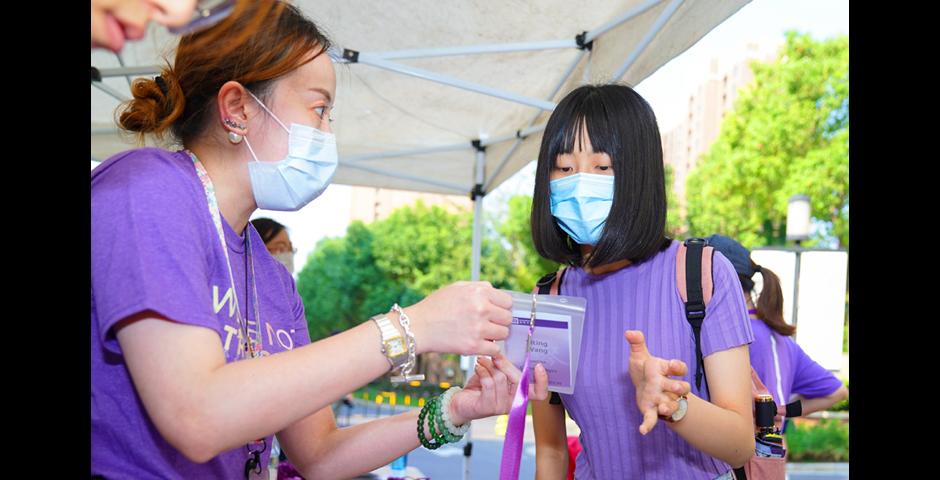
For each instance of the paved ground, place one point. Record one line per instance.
(447, 463)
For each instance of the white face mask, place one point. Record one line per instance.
(286, 259)
(291, 183)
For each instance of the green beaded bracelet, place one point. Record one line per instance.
(448, 436)
(432, 412)
(425, 442)
(433, 420)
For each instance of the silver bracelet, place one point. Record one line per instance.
(405, 322)
(445, 414)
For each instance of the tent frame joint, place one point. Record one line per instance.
(477, 192)
(478, 145)
(582, 44)
(350, 55)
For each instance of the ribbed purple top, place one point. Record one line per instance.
(644, 297)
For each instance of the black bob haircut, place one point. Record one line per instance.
(267, 228)
(621, 124)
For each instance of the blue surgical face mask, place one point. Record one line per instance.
(581, 203)
(293, 182)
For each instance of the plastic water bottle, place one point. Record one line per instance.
(399, 466)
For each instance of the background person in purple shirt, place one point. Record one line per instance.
(200, 351)
(784, 368)
(599, 207)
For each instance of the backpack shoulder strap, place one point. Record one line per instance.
(550, 283)
(704, 286)
(694, 281)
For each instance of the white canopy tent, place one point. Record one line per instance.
(446, 96)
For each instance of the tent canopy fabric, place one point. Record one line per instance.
(450, 96)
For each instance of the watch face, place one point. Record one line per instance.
(680, 412)
(396, 347)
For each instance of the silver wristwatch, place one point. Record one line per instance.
(393, 343)
(679, 413)
(405, 373)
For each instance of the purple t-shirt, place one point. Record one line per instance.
(644, 297)
(154, 247)
(799, 374)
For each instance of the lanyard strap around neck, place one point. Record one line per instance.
(243, 348)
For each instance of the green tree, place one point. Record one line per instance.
(429, 247)
(526, 265)
(400, 259)
(788, 134)
(341, 285)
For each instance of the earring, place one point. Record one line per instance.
(232, 136)
(229, 122)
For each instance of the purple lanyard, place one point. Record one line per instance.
(515, 430)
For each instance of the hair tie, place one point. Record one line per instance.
(162, 84)
(758, 268)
